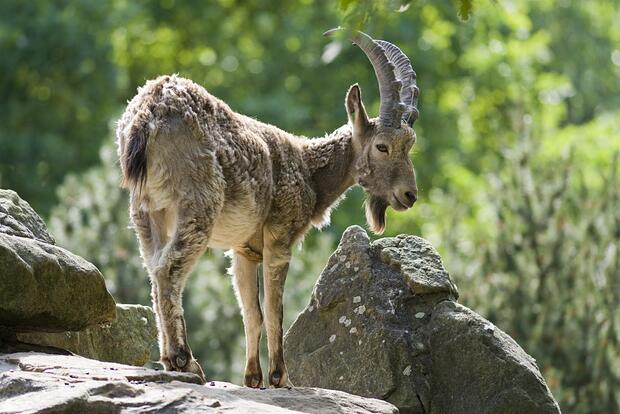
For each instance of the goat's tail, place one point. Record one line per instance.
(132, 148)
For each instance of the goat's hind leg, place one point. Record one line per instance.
(151, 238)
(190, 240)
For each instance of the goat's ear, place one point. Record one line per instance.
(355, 110)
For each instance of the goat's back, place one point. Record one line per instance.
(180, 145)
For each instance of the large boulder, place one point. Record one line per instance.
(127, 340)
(33, 382)
(46, 288)
(383, 322)
(42, 286)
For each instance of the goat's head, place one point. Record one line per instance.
(384, 168)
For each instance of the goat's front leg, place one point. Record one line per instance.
(245, 279)
(275, 268)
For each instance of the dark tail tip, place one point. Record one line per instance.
(135, 159)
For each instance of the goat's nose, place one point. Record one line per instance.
(411, 197)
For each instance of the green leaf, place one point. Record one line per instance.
(465, 9)
(344, 4)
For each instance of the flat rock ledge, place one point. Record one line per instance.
(35, 382)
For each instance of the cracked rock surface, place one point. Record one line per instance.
(383, 322)
(35, 382)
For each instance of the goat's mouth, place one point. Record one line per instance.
(397, 204)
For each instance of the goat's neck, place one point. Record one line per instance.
(331, 162)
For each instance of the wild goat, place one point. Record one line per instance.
(201, 175)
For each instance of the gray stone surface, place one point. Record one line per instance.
(127, 340)
(17, 218)
(383, 322)
(476, 367)
(31, 382)
(46, 288)
(417, 261)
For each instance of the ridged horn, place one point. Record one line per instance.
(398, 87)
(406, 75)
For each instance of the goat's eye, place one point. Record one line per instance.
(382, 147)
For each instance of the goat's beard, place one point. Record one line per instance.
(375, 213)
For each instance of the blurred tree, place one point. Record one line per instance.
(58, 92)
(541, 259)
(543, 73)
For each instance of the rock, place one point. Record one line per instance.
(17, 218)
(44, 287)
(32, 382)
(127, 340)
(383, 322)
(418, 262)
(475, 367)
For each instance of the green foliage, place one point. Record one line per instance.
(520, 110)
(465, 9)
(358, 13)
(55, 87)
(546, 267)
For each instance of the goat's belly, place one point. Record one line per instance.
(233, 229)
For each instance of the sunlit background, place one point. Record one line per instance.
(517, 153)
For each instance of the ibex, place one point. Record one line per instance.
(201, 175)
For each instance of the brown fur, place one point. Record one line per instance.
(201, 175)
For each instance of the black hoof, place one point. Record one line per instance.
(275, 378)
(254, 380)
(181, 361)
(184, 362)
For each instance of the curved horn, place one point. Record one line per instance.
(391, 109)
(404, 73)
